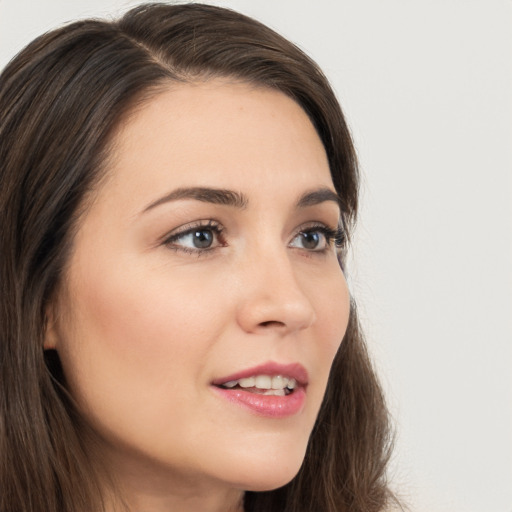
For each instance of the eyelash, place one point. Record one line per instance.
(333, 237)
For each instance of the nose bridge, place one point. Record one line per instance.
(272, 295)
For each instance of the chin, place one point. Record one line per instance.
(269, 474)
(269, 484)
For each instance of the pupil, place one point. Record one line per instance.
(311, 240)
(203, 239)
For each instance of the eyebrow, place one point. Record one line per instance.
(227, 197)
(318, 196)
(204, 194)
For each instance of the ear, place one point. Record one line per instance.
(50, 329)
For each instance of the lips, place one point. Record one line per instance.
(293, 371)
(272, 389)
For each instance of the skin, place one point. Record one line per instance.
(144, 321)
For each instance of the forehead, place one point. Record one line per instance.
(229, 134)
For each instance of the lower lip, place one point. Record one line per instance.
(270, 406)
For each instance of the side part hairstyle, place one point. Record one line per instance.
(61, 100)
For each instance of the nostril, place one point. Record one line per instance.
(271, 323)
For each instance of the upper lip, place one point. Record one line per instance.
(294, 370)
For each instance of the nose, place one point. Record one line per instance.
(272, 298)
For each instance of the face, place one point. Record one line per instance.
(203, 302)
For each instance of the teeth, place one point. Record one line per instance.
(263, 382)
(279, 382)
(271, 383)
(249, 382)
(275, 392)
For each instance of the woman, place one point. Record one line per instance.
(177, 189)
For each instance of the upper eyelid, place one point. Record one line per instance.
(213, 225)
(326, 230)
(190, 226)
(322, 226)
(317, 224)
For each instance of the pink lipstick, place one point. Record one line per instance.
(273, 390)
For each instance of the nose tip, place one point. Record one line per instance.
(275, 301)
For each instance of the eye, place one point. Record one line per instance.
(317, 238)
(199, 237)
(310, 240)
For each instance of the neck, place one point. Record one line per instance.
(146, 488)
(138, 501)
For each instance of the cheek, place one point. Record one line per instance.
(333, 313)
(332, 305)
(133, 342)
(336, 308)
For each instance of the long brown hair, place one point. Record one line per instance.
(61, 100)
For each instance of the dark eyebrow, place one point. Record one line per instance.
(204, 194)
(318, 196)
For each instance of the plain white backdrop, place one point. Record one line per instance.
(427, 90)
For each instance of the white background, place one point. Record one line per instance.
(427, 89)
